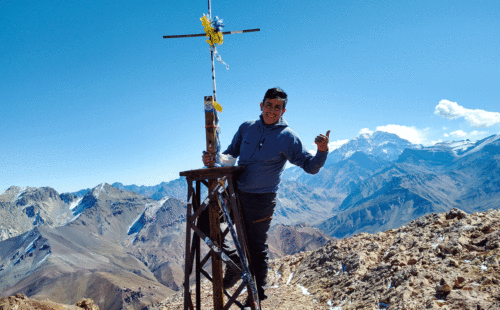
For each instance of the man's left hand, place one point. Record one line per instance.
(322, 141)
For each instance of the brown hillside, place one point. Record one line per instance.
(440, 261)
(21, 302)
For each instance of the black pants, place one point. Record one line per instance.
(257, 214)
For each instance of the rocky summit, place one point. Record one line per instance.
(21, 302)
(439, 261)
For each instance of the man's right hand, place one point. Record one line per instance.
(208, 159)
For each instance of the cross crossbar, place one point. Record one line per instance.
(204, 34)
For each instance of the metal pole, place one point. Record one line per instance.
(212, 53)
(213, 72)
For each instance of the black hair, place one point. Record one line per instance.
(276, 93)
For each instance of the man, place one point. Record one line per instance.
(263, 147)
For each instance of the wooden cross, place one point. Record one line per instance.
(211, 119)
(211, 49)
(211, 124)
(202, 34)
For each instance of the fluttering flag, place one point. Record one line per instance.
(217, 106)
(218, 24)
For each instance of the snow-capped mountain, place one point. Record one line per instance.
(352, 163)
(121, 249)
(116, 239)
(457, 147)
(22, 208)
(90, 253)
(380, 144)
(421, 181)
(175, 189)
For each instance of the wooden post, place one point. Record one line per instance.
(211, 138)
(210, 127)
(197, 239)
(187, 265)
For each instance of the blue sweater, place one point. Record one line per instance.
(264, 149)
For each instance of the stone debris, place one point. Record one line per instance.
(87, 304)
(21, 302)
(439, 261)
(281, 297)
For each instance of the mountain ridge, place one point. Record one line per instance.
(120, 242)
(422, 180)
(438, 261)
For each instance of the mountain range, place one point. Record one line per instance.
(119, 248)
(422, 180)
(86, 255)
(438, 261)
(378, 181)
(122, 245)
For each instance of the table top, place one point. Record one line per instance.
(211, 173)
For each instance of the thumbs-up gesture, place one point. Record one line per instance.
(322, 141)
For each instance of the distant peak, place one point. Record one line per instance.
(386, 134)
(103, 186)
(99, 189)
(379, 135)
(17, 189)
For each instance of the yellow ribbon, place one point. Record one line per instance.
(213, 36)
(213, 104)
(217, 106)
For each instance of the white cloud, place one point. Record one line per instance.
(462, 134)
(436, 142)
(476, 118)
(411, 134)
(459, 133)
(365, 130)
(477, 133)
(336, 144)
(313, 152)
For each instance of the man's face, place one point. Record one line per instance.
(272, 109)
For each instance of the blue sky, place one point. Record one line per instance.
(90, 92)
